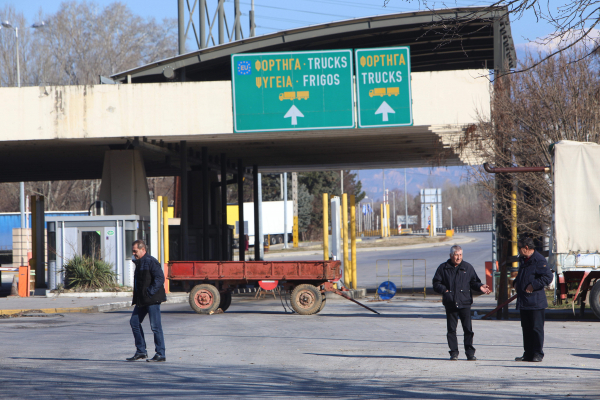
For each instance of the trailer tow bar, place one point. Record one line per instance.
(329, 288)
(495, 310)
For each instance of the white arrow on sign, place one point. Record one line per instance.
(385, 109)
(294, 113)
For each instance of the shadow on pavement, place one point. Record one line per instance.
(55, 378)
(596, 356)
(376, 356)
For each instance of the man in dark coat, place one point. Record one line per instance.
(454, 280)
(148, 293)
(533, 276)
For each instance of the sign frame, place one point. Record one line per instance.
(358, 87)
(351, 88)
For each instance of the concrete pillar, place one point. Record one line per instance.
(124, 184)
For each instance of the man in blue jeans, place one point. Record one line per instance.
(148, 293)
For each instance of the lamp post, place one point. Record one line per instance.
(450, 208)
(8, 25)
(371, 213)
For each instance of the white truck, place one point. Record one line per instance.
(576, 229)
(272, 220)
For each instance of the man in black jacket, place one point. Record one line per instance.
(454, 280)
(533, 276)
(148, 293)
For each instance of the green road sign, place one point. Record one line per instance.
(292, 91)
(383, 87)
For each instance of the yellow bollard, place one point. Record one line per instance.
(387, 220)
(325, 227)
(347, 267)
(381, 227)
(342, 222)
(165, 201)
(353, 238)
(295, 231)
(515, 249)
(157, 228)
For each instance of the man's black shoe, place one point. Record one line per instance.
(137, 356)
(453, 358)
(522, 359)
(537, 358)
(472, 358)
(157, 358)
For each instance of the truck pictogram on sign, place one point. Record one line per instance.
(391, 91)
(303, 95)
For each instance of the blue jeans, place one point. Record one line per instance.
(137, 317)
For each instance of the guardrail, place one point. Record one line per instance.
(404, 272)
(473, 228)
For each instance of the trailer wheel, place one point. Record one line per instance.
(225, 301)
(595, 299)
(273, 240)
(279, 239)
(306, 299)
(322, 304)
(205, 299)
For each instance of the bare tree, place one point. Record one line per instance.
(574, 24)
(553, 101)
(80, 42)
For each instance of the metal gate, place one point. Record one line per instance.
(409, 275)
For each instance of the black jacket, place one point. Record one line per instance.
(536, 272)
(459, 281)
(148, 282)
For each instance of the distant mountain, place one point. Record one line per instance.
(416, 179)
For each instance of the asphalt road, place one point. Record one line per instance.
(257, 351)
(371, 272)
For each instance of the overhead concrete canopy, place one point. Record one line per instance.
(439, 40)
(53, 133)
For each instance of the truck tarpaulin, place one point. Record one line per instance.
(577, 197)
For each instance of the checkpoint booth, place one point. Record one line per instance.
(106, 237)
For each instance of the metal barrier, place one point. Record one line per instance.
(473, 228)
(397, 268)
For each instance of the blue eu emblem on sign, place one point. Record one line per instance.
(244, 68)
(386, 290)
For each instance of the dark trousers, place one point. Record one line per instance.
(452, 316)
(532, 323)
(137, 317)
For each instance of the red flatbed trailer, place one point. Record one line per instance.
(215, 280)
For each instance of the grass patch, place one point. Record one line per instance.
(566, 305)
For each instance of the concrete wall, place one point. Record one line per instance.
(196, 108)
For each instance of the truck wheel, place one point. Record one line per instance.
(225, 301)
(205, 299)
(306, 299)
(273, 240)
(279, 239)
(595, 299)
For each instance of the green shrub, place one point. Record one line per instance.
(85, 273)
